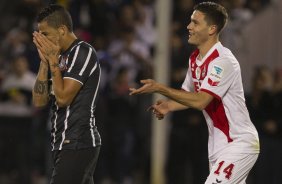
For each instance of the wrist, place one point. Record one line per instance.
(55, 70)
(159, 88)
(44, 64)
(53, 62)
(53, 59)
(169, 106)
(54, 65)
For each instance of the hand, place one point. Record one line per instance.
(48, 51)
(43, 59)
(150, 86)
(160, 109)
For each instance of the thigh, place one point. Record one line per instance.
(231, 169)
(75, 166)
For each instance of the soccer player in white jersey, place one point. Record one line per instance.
(213, 84)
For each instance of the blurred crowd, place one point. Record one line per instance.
(124, 34)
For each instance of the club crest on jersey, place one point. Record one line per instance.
(63, 64)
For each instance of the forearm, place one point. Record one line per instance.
(188, 99)
(40, 90)
(65, 90)
(175, 106)
(57, 80)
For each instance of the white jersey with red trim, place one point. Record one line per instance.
(229, 124)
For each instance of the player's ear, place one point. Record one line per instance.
(212, 29)
(62, 30)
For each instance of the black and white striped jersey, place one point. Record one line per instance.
(73, 127)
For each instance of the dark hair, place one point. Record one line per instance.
(55, 15)
(214, 14)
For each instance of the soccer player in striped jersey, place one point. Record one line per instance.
(213, 84)
(75, 78)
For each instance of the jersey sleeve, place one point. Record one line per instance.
(84, 62)
(220, 77)
(187, 85)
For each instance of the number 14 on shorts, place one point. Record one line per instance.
(223, 169)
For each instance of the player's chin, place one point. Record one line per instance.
(191, 41)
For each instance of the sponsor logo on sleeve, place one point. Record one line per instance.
(212, 83)
(215, 75)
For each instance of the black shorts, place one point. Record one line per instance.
(74, 166)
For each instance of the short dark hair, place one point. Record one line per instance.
(55, 15)
(214, 14)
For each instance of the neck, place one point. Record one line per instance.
(205, 47)
(68, 41)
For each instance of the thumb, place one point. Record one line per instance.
(159, 102)
(145, 81)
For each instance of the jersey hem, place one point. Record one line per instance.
(74, 79)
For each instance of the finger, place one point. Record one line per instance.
(34, 33)
(157, 113)
(144, 81)
(149, 108)
(35, 41)
(160, 117)
(132, 90)
(46, 43)
(38, 46)
(39, 52)
(156, 106)
(49, 42)
(43, 40)
(159, 102)
(137, 91)
(40, 41)
(41, 55)
(39, 49)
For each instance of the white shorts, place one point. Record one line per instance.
(231, 169)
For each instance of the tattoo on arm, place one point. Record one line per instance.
(41, 87)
